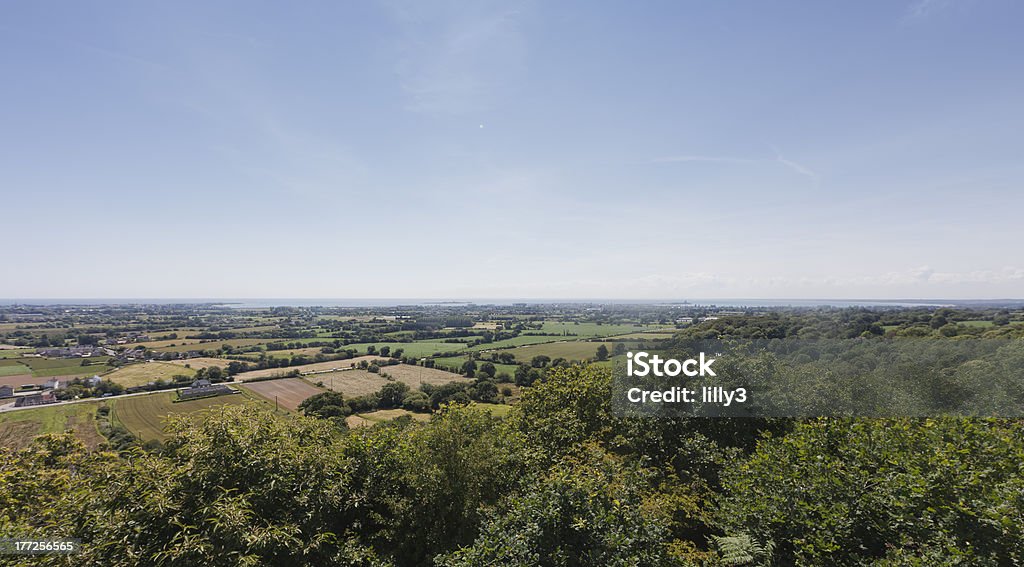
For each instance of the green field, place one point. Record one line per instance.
(977, 323)
(213, 345)
(497, 410)
(13, 368)
(589, 330)
(416, 349)
(454, 364)
(18, 428)
(145, 416)
(572, 351)
(521, 340)
(647, 336)
(15, 352)
(45, 367)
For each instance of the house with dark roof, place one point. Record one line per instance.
(35, 400)
(204, 389)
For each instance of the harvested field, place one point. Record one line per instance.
(288, 392)
(140, 374)
(309, 351)
(19, 380)
(351, 383)
(202, 362)
(160, 344)
(307, 368)
(360, 382)
(212, 345)
(415, 375)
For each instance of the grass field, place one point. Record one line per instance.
(18, 428)
(14, 368)
(572, 351)
(977, 323)
(415, 349)
(454, 364)
(140, 374)
(288, 392)
(591, 330)
(197, 363)
(311, 351)
(146, 416)
(46, 367)
(497, 410)
(521, 340)
(156, 345)
(379, 416)
(648, 336)
(212, 345)
(15, 352)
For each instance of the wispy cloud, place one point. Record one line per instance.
(794, 166)
(455, 58)
(797, 167)
(925, 8)
(706, 159)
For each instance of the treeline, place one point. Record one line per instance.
(561, 481)
(862, 322)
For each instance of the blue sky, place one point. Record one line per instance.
(512, 149)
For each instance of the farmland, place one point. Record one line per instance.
(418, 349)
(140, 374)
(201, 362)
(573, 351)
(288, 392)
(47, 367)
(18, 428)
(307, 368)
(14, 352)
(209, 345)
(14, 368)
(146, 416)
(373, 418)
(358, 382)
(17, 380)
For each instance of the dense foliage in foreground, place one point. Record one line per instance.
(560, 481)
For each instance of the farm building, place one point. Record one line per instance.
(6, 391)
(35, 400)
(71, 352)
(203, 389)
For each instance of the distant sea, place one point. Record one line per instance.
(251, 303)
